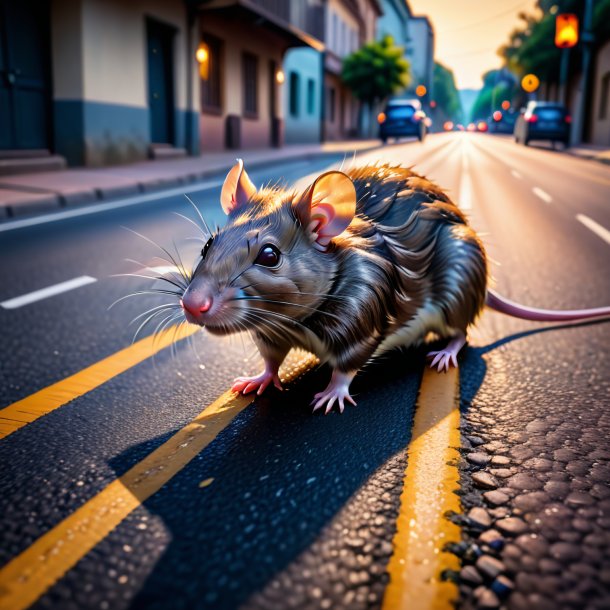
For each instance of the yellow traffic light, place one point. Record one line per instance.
(566, 30)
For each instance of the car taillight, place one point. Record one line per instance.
(381, 117)
(532, 118)
(419, 115)
(568, 118)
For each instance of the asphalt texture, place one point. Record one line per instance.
(301, 510)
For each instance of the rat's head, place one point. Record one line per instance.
(273, 262)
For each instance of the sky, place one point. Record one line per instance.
(469, 32)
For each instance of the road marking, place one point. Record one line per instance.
(45, 293)
(516, 174)
(430, 480)
(25, 578)
(27, 410)
(595, 227)
(11, 225)
(465, 201)
(542, 194)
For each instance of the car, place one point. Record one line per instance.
(402, 118)
(543, 121)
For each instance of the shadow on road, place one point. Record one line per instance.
(280, 475)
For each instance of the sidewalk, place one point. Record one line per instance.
(590, 151)
(27, 194)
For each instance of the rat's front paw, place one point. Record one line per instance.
(336, 392)
(245, 385)
(442, 360)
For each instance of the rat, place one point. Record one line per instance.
(361, 262)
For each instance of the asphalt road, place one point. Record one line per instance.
(301, 509)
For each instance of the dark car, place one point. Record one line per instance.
(402, 118)
(543, 121)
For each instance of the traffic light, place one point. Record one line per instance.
(566, 30)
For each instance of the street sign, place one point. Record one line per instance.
(566, 30)
(530, 83)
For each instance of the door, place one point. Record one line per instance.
(160, 82)
(24, 74)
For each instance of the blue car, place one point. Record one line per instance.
(402, 118)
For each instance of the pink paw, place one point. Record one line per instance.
(443, 359)
(245, 385)
(329, 397)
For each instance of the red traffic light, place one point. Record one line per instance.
(566, 30)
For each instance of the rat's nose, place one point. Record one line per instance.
(194, 306)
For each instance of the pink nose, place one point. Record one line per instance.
(194, 310)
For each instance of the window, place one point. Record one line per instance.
(331, 104)
(311, 93)
(604, 102)
(250, 82)
(211, 89)
(293, 102)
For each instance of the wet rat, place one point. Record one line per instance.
(359, 263)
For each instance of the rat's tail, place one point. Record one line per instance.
(499, 303)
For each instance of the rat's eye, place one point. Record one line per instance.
(205, 248)
(269, 256)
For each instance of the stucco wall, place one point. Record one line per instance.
(100, 72)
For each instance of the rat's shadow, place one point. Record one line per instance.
(280, 475)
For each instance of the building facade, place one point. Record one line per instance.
(420, 53)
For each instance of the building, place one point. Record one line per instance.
(243, 44)
(348, 25)
(599, 120)
(101, 82)
(394, 22)
(420, 52)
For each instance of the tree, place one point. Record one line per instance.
(498, 85)
(445, 94)
(376, 70)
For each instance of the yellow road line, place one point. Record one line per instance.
(24, 579)
(48, 399)
(431, 477)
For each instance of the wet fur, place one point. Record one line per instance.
(408, 264)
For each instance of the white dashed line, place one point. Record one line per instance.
(542, 194)
(595, 227)
(516, 174)
(44, 293)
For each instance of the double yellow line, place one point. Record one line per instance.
(422, 531)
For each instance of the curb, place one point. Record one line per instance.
(590, 156)
(29, 201)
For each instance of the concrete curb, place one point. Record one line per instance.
(591, 156)
(18, 201)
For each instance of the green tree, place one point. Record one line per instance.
(376, 70)
(445, 94)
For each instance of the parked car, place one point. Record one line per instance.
(543, 121)
(402, 118)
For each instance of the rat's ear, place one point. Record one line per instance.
(237, 188)
(327, 207)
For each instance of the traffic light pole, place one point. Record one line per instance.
(563, 75)
(587, 41)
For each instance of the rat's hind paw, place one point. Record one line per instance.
(336, 391)
(245, 385)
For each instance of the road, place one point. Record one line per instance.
(285, 509)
